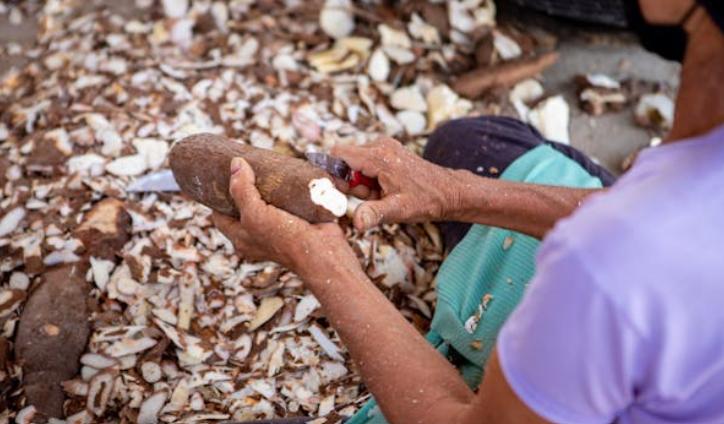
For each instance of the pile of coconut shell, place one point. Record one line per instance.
(128, 307)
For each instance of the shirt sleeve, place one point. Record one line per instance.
(567, 351)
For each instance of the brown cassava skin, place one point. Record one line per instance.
(54, 326)
(52, 335)
(473, 84)
(201, 166)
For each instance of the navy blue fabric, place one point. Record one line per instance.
(486, 146)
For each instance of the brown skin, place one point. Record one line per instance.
(666, 12)
(200, 165)
(700, 102)
(411, 381)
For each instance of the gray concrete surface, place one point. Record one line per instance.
(586, 48)
(611, 137)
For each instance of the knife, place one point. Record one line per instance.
(340, 169)
(163, 180)
(156, 181)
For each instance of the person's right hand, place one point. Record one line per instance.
(412, 189)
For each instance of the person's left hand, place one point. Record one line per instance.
(266, 233)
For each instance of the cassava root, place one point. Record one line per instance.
(201, 162)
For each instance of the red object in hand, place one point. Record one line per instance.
(357, 178)
(340, 169)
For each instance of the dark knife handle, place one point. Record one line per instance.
(356, 178)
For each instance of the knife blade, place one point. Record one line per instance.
(156, 181)
(339, 168)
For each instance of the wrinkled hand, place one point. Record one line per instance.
(412, 189)
(266, 233)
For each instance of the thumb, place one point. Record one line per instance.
(372, 213)
(241, 184)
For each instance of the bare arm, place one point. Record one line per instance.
(412, 382)
(531, 209)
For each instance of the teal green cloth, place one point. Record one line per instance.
(485, 276)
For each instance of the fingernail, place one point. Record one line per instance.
(236, 165)
(366, 219)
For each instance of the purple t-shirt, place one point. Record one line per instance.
(624, 320)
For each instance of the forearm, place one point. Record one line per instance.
(411, 381)
(527, 208)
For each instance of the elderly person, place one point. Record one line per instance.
(622, 320)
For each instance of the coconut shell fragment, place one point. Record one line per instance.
(201, 166)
